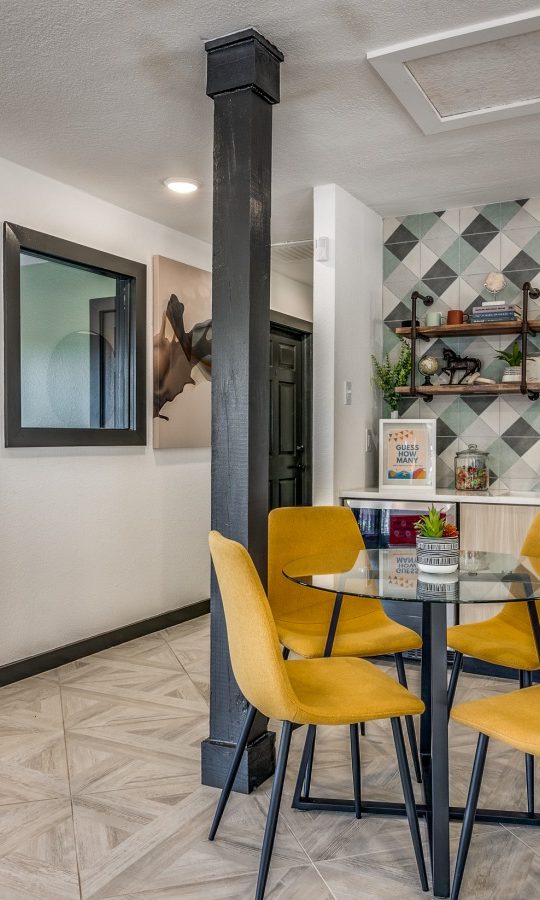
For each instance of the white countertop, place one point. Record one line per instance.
(508, 498)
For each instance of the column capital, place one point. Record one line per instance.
(243, 59)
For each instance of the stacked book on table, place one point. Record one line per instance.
(494, 311)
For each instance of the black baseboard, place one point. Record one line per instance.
(51, 659)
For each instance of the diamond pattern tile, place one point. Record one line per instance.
(403, 250)
(520, 428)
(440, 270)
(448, 253)
(401, 283)
(489, 259)
(390, 261)
(400, 235)
(480, 403)
(521, 261)
(520, 214)
(510, 212)
(479, 223)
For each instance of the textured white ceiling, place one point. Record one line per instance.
(110, 96)
(489, 74)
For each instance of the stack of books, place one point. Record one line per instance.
(493, 311)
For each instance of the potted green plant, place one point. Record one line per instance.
(388, 375)
(512, 358)
(437, 544)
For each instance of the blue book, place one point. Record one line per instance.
(503, 318)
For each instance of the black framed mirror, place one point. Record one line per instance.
(74, 344)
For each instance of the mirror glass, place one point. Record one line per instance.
(74, 325)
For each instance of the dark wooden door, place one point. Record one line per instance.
(290, 425)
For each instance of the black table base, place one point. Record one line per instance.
(436, 809)
(388, 808)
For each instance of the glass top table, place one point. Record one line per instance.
(392, 574)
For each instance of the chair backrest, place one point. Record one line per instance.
(254, 647)
(517, 613)
(298, 531)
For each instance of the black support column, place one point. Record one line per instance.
(243, 81)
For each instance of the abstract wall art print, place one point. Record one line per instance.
(182, 355)
(407, 454)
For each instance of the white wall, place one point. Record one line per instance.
(91, 539)
(287, 295)
(347, 329)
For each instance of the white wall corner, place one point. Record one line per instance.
(347, 316)
(324, 290)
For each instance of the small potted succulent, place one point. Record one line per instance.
(437, 544)
(512, 358)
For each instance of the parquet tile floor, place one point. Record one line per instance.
(100, 795)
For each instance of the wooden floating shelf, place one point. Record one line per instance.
(469, 329)
(437, 390)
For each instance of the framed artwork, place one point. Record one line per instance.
(407, 455)
(182, 354)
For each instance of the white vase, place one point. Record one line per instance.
(437, 555)
(533, 368)
(394, 414)
(511, 374)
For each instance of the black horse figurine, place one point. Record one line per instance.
(455, 363)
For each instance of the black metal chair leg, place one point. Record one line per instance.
(357, 778)
(273, 810)
(454, 675)
(235, 765)
(525, 681)
(286, 653)
(306, 753)
(312, 732)
(470, 812)
(409, 722)
(410, 806)
(363, 729)
(529, 771)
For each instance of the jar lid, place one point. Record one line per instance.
(472, 450)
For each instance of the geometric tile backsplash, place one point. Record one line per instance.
(448, 254)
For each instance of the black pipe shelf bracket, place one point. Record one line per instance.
(526, 329)
(533, 294)
(427, 300)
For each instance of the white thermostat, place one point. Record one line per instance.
(322, 249)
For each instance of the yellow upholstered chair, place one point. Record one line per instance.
(506, 639)
(303, 615)
(511, 718)
(327, 691)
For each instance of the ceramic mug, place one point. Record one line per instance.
(456, 317)
(433, 319)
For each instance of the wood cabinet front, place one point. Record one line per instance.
(495, 528)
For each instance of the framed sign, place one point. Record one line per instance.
(398, 572)
(407, 454)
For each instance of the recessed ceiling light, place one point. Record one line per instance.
(182, 185)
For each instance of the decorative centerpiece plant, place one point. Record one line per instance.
(388, 375)
(437, 543)
(512, 358)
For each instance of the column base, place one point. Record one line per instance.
(257, 765)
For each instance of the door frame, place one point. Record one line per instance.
(303, 329)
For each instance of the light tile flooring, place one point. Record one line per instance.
(100, 795)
